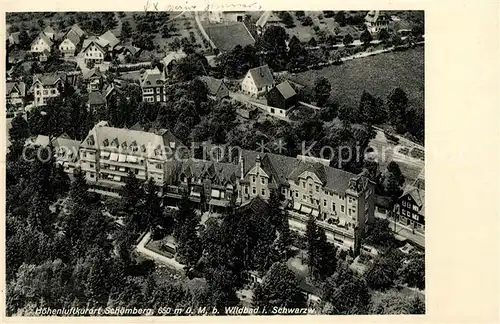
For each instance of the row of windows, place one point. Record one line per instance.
(254, 191)
(409, 205)
(262, 180)
(409, 214)
(46, 92)
(96, 55)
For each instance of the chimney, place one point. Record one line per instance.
(257, 161)
(242, 167)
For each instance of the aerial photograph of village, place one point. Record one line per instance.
(215, 163)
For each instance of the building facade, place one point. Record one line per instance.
(258, 81)
(153, 86)
(375, 21)
(46, 86)
(281, 98)
(41, 43)
(410, 209)
(16, 93)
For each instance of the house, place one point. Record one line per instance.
(268, 18)
(70, 43)
(46, 86)
(171, 59)
(410, 208)
(111, 91)
(41, 44)
(258, 81)
(93, 79)
(50, 32)
(99, 49)
(16, 92)
(94, 51)
(107, 154)
(129, 51)
(66, 150)
(77, 30)
(153, 86)
(44, 56)
(218, 17)
(96, 101)
(282, 97)
(376, 21)
(217, 89)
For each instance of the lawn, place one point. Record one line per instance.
(378, 75)
(226, 37)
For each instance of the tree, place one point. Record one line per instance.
(340, 18)
(344, 293)
(371, 110)
(274, 39)
(394, 180)
(312, 42)
(165, 31)
(24, 39)
(321, 254)
(152, 212)
(380, 234)
(384, 35)
(383, 273)
(19, 129)
(413, 271)
(186, 233)
(396, 40)
(299, 14)
(279, 288)
(397, 106)
(393, 302)
(307, 21)
(366, 37)
(322, 88)
(126, 30)
(286, 18)
(348, 40)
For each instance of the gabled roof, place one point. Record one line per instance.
(132, 49)
(73, 37)
(77, 30)
(152, 78)
(49, 78)
(92, 73)
(109, 38)
(417, 194)
(267, 16)
(213, 84)
(20, 86)
(173, 56)
(262, 76)
(256, 206)
(49, 30)
(374, 15)
(44, 37)
(96, 98)
(286, 90)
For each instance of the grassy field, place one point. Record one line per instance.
(226, 37)
(378, 75)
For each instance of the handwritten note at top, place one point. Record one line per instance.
(208, 6)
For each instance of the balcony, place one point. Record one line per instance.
(322, 224)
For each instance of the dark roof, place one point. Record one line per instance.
(49, 78)
(109, 38)
(75, 28)
(262, 76)
(96, 98)
(418, 196)
(97, 42)
(132, 49)
(256, 206)
(92, 73)
(286, 90)
(73, 37)
(383, 201)
(213, 84)
(20, 86)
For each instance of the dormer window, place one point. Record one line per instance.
(124, 145)
(90, 140)
(148, 82)
(105, 142)
(143, 148)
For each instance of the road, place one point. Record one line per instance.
(404, 231)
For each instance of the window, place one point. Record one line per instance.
(263, 180)
(263, 192)
(342, 208)
(404, 203)
(303, 197)
(159, 166)
(283, 191)
(45, 92)
(333, 206)
(324, 202)
(303, 184)
(403, 212)
(296, 194)
(253, 179)
(158, 98)
(246, 190)
(317, 188)
(92, 166)
(53, 91)
(92, 175)
(254, 191)
(415, 207)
